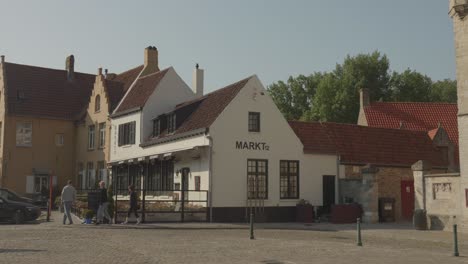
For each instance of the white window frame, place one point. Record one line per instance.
(24, 134)
(102, 135)
(59, 140)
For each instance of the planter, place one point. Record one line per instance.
(304, 213)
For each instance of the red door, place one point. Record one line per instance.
(407, 199)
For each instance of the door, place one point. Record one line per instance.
(328, 192)
(407, 199)
(185, 183)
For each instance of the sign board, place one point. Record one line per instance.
(250, 145)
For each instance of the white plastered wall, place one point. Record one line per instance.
(230, 164)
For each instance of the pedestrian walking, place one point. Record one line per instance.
(103, 210)
(133, 205)
(68, 198)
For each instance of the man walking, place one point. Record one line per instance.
(68, 198)
(103, 204)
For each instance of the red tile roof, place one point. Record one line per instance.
(202, 112)
(47, 92)
(414, 116)
(128, 77)
(115, 91)
(141, 91)
(361, 145)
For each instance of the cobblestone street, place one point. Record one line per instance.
(203, 243)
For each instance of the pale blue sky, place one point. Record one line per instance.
(230, 39)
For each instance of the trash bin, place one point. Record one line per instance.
(387, 210)
(419, 219)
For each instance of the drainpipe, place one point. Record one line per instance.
(210, 177)
(338, 179)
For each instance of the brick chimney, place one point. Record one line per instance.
(151, 61)
(70, 67)
(197, 81)
(2, 59)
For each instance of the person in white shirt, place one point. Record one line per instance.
(68, 198)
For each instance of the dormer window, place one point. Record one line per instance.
(97, 103)
(156, 127)
(171, 123)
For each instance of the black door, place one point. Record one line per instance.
(328, 193)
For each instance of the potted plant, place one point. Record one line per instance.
(88, 215)
(304, 212)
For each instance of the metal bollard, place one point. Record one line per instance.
(455, 241)
(251, 226)
(359, 242)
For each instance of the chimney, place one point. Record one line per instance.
(151, 61)
(151, 57)
(105, 73)
(99, 71)
(197, 81)
(364, 97)
(70, 67)
(3, 59)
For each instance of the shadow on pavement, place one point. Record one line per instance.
(20, 250)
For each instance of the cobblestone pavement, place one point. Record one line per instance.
(52, 242)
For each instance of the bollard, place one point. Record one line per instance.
(455, 241)
(251, 226)
(359, 242)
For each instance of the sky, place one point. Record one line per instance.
(230, 40)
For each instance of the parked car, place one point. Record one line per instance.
(37, 199)
(12, 196)
(18, 212)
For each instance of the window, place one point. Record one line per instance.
(81, 176)
(156, 127)
(127, 133)
(197, 183)
(289, 179)
(41, 183)
(90, 176)
(91, 130)
(24, 134)
(257, 179)
(59, 140)
(161, 176)
(254, 122)
(102, 135)
(171, 123)
(97, 103)
(101, 171)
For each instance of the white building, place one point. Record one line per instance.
(230, 150)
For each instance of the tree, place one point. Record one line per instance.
(444, 91)
(294, 98)
(337, 96)
(410, 86)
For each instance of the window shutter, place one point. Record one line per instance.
(120, 135)
(132, 132)
(29, 184)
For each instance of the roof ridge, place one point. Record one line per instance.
(132, 69)
(44, 68)
(154, 73)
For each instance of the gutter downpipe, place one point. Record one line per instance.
(210, 177)
(338, 158)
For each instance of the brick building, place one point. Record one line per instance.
(391, 152)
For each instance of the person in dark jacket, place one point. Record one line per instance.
(103, 210)
(133, 204)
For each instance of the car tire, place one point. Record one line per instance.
(18, 218)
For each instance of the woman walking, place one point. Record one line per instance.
(133, 204)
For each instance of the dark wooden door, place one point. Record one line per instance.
(407, 199)
(328, 183)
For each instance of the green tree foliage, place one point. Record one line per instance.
(334, 96)
(337, 96)
(444, 91)
(410, 86)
